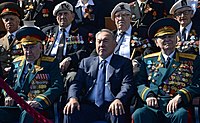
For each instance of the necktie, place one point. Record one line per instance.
(10, 38)
(167, 62)
(183, 36)
(61, 45)
(121, 35)
(142, 8)
(27, 72)
(99, 98)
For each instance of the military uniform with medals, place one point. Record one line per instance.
(39, 80)
(164, 81)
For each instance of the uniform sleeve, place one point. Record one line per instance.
(142, 82)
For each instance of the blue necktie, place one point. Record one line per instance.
(99, 98)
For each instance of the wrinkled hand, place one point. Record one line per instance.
(71, 105)
(34, 104)
(9, 101)
(173, 104)
(116, 108)
(152, 102)
(64, 65)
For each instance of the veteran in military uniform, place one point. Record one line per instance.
(34, 77)
(168, 80)
(130, 40)
(11, 16)
(65, 42)
(189, 32)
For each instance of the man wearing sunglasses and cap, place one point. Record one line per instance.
(34, 77)
(168, 80)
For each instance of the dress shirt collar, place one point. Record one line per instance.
(13, 34)
(166, 56)
(139, 2)
(126, 32)
(66, 29)
(188, 27)
(108, 59)
(79, 3)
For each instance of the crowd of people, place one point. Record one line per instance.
(60, 52)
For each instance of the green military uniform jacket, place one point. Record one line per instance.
(181, 77)
(44, 84)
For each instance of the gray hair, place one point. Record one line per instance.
(105, 30)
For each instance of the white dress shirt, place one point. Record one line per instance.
(57, 41)
(188, 28)
(83, 6)
(124, 49)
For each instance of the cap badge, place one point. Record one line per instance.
(122, 7)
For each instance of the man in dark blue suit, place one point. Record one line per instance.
(85, 102)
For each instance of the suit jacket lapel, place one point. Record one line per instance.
(94, 67)
(79, 14)
(136, 10)
(110, 68)
(55, 32)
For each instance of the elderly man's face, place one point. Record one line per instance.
(65, 18)
(32, 52)
(11, 22)
(166, 42)
(105, 44)
(183, 16)
(122, 20)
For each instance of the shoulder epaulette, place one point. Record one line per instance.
(187, 55)
(20, 58)
(48, 58)
(152, 55)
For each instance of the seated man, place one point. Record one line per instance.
(168, 80)
(189, 31)
(106, 82)
(34, 77)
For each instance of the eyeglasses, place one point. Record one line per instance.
(125, 15)
(186, 12)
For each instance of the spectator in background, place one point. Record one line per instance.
(11, 16)
(66, 42)
(189, 32)
(89, 16)
(145, 12)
